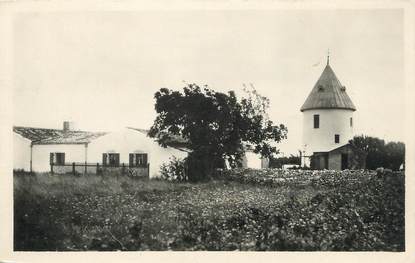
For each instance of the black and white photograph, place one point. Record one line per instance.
(207, 129)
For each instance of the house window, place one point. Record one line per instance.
(316, 121)
(57, 158)
(138, 159)
(336, 138)
(111, 159)
(351, 122)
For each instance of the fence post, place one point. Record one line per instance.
(51, 168)
(148, 170)
(97, 169)
(85, 168)
(123, 169)
(73, 168)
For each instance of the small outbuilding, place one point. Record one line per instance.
(341, 158)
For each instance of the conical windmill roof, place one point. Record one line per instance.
(328, 93)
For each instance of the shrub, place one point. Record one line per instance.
(174, 170)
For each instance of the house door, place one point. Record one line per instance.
(345, 164)
(323, 162)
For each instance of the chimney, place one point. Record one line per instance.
(68, 126)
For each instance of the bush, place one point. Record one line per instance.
(174, 170)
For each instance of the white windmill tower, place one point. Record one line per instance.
(327, 120)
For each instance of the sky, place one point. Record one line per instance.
(101, 69)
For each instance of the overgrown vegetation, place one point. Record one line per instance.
(282, 210)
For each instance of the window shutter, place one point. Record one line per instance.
(131, 159)
(59, 158)
(51, 158)
(145, 158)
(117, 159)
(104, 159)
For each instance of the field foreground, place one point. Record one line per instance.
(239, 210)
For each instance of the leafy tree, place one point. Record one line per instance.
(217, 126)
(395, 155)
(376, 153)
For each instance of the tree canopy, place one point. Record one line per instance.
(377, 153)
(216, 125)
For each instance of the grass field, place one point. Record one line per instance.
(356, 211)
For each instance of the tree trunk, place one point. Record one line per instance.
(200, 166)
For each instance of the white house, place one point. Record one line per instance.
(328, 124)
(35, 149)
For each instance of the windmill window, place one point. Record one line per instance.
(320, 88)
(316, 121)
(343, 88)
(336, 138)
(351, 122)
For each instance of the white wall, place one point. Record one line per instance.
(21, 152)
(254, 161)
(332, 121)
(41, 155)
(128, 141)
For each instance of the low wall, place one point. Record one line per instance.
(69, 168)
(295, 177)
(79, 168)
(129, 171)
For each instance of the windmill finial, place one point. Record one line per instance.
(328, 57)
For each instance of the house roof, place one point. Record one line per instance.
(328, 93)
(55, 136)
(347, 145)
(173, 141)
